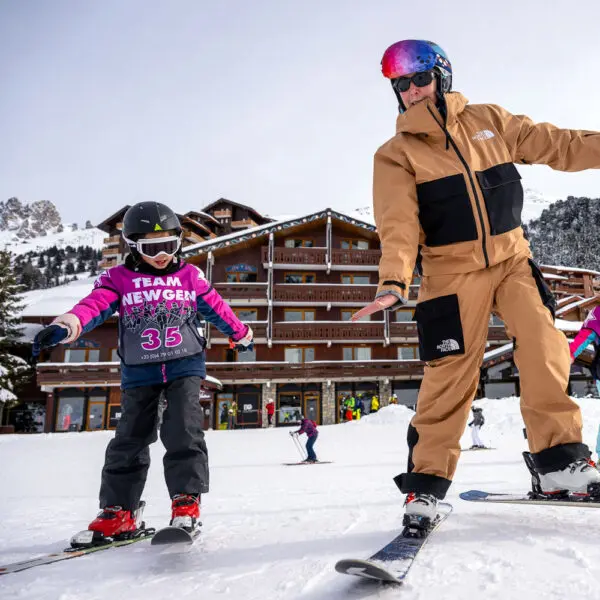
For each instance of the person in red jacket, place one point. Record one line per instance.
(270, 412)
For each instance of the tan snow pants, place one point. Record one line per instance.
(452, 315)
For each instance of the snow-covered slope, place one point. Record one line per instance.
(275, 532)
(70, 236)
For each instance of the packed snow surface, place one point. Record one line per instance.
(272, 531)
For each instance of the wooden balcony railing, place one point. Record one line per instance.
(243, 223)
(96, 374)
(318, 370)
(259, 329)
(307, 330)
(403, 329)
(305, 292)
(112, 240)
(355, 257)
(295, 256)
(222, 214)
(242, 291)
(112, 252)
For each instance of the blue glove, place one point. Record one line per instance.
(46, 338)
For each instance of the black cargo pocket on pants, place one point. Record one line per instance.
(546, 293)
(439, 327)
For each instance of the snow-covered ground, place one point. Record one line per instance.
(272, 531)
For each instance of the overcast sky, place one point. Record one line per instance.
(278, 104)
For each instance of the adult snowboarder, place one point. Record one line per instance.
(309, 427)
(154, 359)
(446, 184)
(476, 424)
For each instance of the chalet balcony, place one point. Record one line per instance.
(316, 258)
(357, 260)
(243, 224)
(302, 331)
(306, 294)
(109, 373)
(112, 240)
(259, 329)
(113, 261)
(403, 330)
(334, 370)
(243, 294)
(111, 252)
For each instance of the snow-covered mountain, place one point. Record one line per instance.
(533, 204)
(37, 226)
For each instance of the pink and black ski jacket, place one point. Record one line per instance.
(158, 320)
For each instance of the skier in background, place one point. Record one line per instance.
(153, 233)
(308, 427)
(589, 335)
(446, 185)
(476, 424)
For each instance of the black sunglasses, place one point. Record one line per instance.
(401, 84)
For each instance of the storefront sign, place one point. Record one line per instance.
(241, 268)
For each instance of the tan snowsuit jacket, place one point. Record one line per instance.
(459, 196)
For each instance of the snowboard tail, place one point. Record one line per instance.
(392, 563)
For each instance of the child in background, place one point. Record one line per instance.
(159, 298)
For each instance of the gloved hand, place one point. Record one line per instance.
(48, 337)
(245, 343)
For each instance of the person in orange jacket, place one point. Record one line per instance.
(446, 187)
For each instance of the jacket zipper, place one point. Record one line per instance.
(163, 369)
(475, 194)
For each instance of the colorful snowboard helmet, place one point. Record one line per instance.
(415, 56)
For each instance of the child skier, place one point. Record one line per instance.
(158, 298)
(308, 427)
(476, 424)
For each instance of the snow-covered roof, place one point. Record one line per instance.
(555, 277)
(261, 230)
(28, 331)
(569, 307)
(498, 351)
(567, 325)
(570, 269)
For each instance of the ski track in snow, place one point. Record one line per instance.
(276, 532)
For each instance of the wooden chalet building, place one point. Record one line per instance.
(296, 282)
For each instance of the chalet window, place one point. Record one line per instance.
(76, 355)
(114, 356)
(299, 354)
(231, 355)
(348, 312)
(404, 315)
(357, 353)
(355, 278)
(241, 273)
(246, 314)
(69, 413)
(355, 245)
(299, 314)
(297, 243)
(408, 353)
(416, 280)
(300, 277)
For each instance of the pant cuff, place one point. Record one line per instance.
(422, 483)
(559, 457)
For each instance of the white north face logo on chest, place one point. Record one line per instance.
(484, 134)
(448, 346)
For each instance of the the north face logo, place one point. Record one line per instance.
(448, 346)
(484, 134)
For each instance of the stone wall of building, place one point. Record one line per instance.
(327, 403)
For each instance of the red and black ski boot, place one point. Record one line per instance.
(113, 523)
(185, 512)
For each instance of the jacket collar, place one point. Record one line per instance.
(422, 117)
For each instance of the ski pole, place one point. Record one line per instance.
(299, 447)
